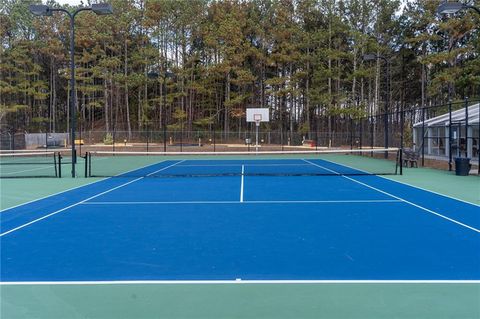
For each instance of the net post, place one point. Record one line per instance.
(400, 160)
(89, 164)
(59, 165)
(55, 163)
(86, 164)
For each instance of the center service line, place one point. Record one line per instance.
(242, 183)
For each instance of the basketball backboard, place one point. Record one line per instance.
(258, 114)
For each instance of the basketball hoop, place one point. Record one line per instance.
(257, 115)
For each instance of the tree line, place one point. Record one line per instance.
(198, 64)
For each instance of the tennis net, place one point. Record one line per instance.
(203, 164)
(28, 164)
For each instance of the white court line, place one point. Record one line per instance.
(77, 187)
(28, 170)
(82, 201)
(242, 183)
(236, 281)
(393, 180)
(399, 198)
(251, 202)
(236, 165)
(430, 191)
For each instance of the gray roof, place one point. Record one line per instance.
(458, 115)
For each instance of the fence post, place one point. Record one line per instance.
(423, 135)
(385, 136)
(80, 141)
(214, 141)
(449, 134)
(181, 138)
(351, 132)
(466, 126)
(371, 133)
(148, 137)
(360, 138)
(281, 137)
(402, 124)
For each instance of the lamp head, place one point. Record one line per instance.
(153, 75)
(40, 10)
(102, 8)
(450, 7)
(369, 57)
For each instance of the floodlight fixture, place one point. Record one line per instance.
(369, 57)
(102, 8)
(451, 7)
(40, 10)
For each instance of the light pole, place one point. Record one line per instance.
(44, 10)
(374, 57)
(454, 6)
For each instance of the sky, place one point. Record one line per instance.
(70, 2)
(77, 2)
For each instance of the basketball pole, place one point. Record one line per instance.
(257, 125)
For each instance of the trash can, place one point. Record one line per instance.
(462, 166)
(248, 141)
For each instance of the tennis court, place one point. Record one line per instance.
(300, 219)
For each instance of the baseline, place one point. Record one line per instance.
(236, 281)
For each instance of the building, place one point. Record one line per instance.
(432, 134)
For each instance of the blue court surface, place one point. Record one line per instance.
(241, 226)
